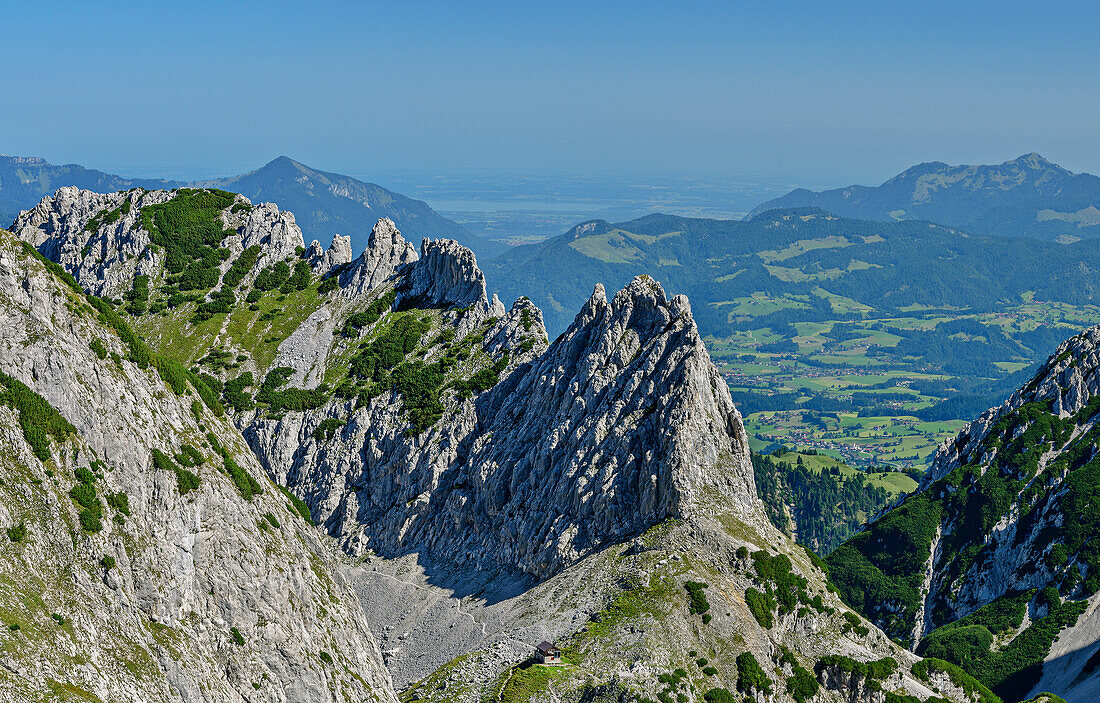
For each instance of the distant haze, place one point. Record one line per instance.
(803, 92)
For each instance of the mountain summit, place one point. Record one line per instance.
(326, 204)
(1028, 196)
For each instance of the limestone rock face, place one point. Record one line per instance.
(275, 232)
(619, 424)
(104, 260)
(207, 595)
(447, 276)
(338, 254)
(386, 252)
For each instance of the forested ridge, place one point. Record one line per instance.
(885, 265)
(820, 508)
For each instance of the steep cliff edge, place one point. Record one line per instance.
(621, 423)
(147, 557)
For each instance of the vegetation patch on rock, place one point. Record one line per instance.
(38, 420)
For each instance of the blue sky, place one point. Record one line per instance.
(824, 93)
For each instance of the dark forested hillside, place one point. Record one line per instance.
(808, 253)
(820, 505)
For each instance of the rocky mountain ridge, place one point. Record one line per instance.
(331, 203)
(106, 254)
(197, 580)
(997, 541)
(568, 432)
(587, 489)
(326, 203)
(1028, 196)
(617, 354)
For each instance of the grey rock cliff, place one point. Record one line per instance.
(188, 569)
(265, 226)
(322, 262)
(105, 260)
(619, 424)
(447, 276)
(385, 253)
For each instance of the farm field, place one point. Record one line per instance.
(894, 482)
(870, 392)
(899, 441)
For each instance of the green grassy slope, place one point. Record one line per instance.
(219, 318)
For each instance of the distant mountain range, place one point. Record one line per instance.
(324, 204)
(24, 180)
(1025, 197)
(810, 254)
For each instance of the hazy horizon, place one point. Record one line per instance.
(793, 92)
(517, 207)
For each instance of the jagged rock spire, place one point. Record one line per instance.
(386, 252)
(621, 423)
(323, 262)
(447, 276)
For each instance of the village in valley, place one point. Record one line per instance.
(840, 388)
